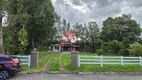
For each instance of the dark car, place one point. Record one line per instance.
(9, 65)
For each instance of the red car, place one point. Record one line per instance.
(9, 65)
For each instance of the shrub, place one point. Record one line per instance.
(113, 47)
(124, 52)
(104, 47)
(99, 51)
(136, 49)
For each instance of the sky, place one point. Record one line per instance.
(83, 11)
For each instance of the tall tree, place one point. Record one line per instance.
(2, 9)
(121, 28)
(41, 22)
(68, 26)
(17, 20)
(90, 34)
(64, 25)
(59, 28)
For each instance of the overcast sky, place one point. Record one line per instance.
(83, 11)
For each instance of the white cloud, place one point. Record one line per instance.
(83, 11)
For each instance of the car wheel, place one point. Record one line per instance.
(4, 74)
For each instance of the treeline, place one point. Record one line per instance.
(118, 36)
(35, 24)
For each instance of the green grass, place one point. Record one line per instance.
(24, 68)
(43, 58)
(83, 68)
(96, 68)
(54, 66)
(94, 54)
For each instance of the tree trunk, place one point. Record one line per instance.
(1, 38)
(33, 44)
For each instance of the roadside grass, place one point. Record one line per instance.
(94, 54)
(43, 58)
(96, 68)
(54, 66)
(24, 68)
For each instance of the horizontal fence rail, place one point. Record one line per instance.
(108, 60)
(25, 60)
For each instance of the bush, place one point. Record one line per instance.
(124, 52)
(136, 49)
(104, 47)
(99, 51)
(113, 47)
(42, 48)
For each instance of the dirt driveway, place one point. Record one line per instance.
(22, 76)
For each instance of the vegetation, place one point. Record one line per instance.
(29, 26)
(42, 63)
(89, 34)
(136, 49)
(122, 29)
(2, 9)
(54, 66)
(34, 24)
(97, 68)
(42, 60)
(39, 26)
(115, 37)
(114, 47)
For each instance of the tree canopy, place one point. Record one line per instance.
(31, 23)
(120, 28)
(89, 34)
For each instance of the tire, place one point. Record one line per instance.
(4, 74)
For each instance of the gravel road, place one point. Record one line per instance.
(22, 76)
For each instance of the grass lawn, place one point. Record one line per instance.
(54, 66)
(43, 58)
(97, 68)
(24, 68)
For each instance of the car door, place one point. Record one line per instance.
(2, 59)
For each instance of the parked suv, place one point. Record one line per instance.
(9, 65)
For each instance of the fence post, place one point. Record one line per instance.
(29, 61)
(101, 59)
(140, 61)
(74, 58)
(78, 60)
(34, 58)
(122, 63)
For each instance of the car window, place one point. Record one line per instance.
(2, 59)
(15, 59)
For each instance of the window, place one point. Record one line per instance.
(2, 59)
(15, 59)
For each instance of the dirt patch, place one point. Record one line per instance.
(61, 70)
(47, 66)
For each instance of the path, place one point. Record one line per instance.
(61, 70)
(47, 66)
(61, 66)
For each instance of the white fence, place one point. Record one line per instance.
(108, 60)
(25, 60)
